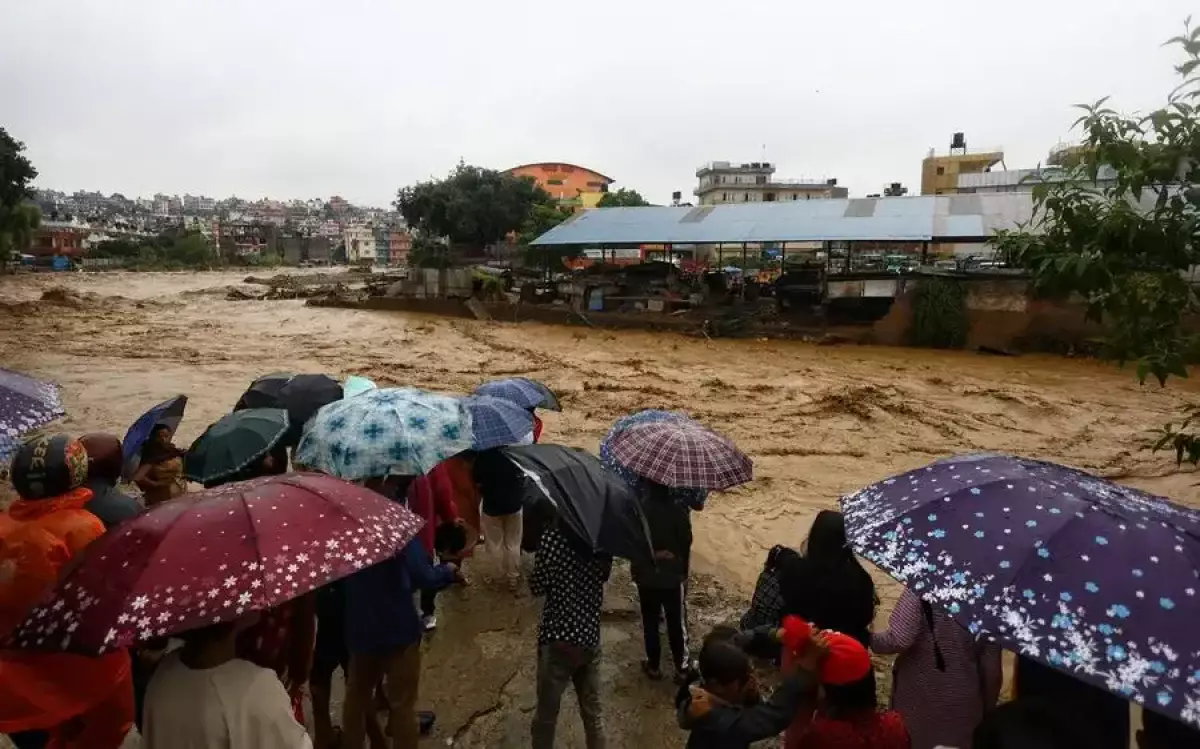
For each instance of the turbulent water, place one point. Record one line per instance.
(818, 421)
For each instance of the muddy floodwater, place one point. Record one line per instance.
(817, 420)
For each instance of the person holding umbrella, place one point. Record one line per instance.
(46, 698)
(571, 577)
(151, 460)
(262, 543)
(661, 581)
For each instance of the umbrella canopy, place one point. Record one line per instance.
(169, 414)
(302, 395)
(356, 384)
(234, 442)
(590, 501)
(25, 404)
(679, 453)
(388, 431)
(689, 497)
(264, 391)
(496, 422)
(1095, 579)
(213, 556)
(523, 391)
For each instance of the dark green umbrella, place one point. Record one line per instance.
(233, 443)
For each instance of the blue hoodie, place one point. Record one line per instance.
(380, 615)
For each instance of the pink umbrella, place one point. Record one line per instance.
(213, 556)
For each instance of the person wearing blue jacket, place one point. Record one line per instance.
(383, 635)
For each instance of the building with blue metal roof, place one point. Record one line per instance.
(925, 219)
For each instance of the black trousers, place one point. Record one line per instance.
(669, 602)
(428, 602)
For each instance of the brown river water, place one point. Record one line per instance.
(818, 421)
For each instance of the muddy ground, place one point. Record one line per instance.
(818, 421)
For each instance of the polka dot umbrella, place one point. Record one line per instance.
(25, 405)
(1089, 577)
(213, 556)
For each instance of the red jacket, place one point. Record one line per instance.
(431, 497)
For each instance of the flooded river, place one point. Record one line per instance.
(818, 421)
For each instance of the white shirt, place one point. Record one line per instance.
(236, 705)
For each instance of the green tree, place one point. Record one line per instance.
(622, 198)
(123, 249)
(1128, 245)
(18, 219)
(192, 250)
(472, 207)
(542, 218)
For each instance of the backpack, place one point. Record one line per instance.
(34, 552)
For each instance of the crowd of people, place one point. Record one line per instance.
(239, 684)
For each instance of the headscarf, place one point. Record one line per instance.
(49, 466)
(105, 458)
(827, 585)
(153, 452)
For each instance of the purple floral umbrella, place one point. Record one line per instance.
(25, 404)
(1094, 579)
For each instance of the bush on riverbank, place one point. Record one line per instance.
(939, 314)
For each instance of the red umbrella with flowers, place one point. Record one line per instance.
(214, 556)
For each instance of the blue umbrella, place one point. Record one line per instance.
(25, 404)
(496, 422)
(523, 391)
(387, 431)
(690, 497)
(1092, 578)
(169, 414)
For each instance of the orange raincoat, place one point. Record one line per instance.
(81, 701)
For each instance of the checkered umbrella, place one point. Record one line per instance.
(687, 496)
(388, 431)
(496, 422)
(679, 452)
(523, 391)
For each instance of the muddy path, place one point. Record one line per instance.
(818, 420)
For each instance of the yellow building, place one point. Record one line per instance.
(939, 173)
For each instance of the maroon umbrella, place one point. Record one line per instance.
(681, 453)
(213, 556)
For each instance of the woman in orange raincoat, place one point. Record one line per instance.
(53, 699)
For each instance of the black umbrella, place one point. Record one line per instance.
(590, 501)
(233, 443)
(302, 395)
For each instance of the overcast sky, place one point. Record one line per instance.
(299, 98)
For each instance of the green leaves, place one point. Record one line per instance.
(622, 198)
(1127, 245)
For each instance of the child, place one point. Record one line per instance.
(725, 710)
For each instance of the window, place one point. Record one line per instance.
(769, 197)
(745, 197)
(794, 196)
(554, 182)
(941, 170)
(724, 197)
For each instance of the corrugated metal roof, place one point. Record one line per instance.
(918, 218)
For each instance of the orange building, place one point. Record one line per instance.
(566, 182)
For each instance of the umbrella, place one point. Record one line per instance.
(356, 384)
(301, 394)
(496, 422)
(590, 501)
(264, 391)
(234, 442)
(169, 414)
(675, 452)
(388, 431)
(1094, 579)
(25, 404)
(523, 391)
(213, 556)
(688, 497)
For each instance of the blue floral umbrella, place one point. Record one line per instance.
(496, 422)
(693, 498)
(1095, 579)
(523, 391)
(25, 404)
(387, 431)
